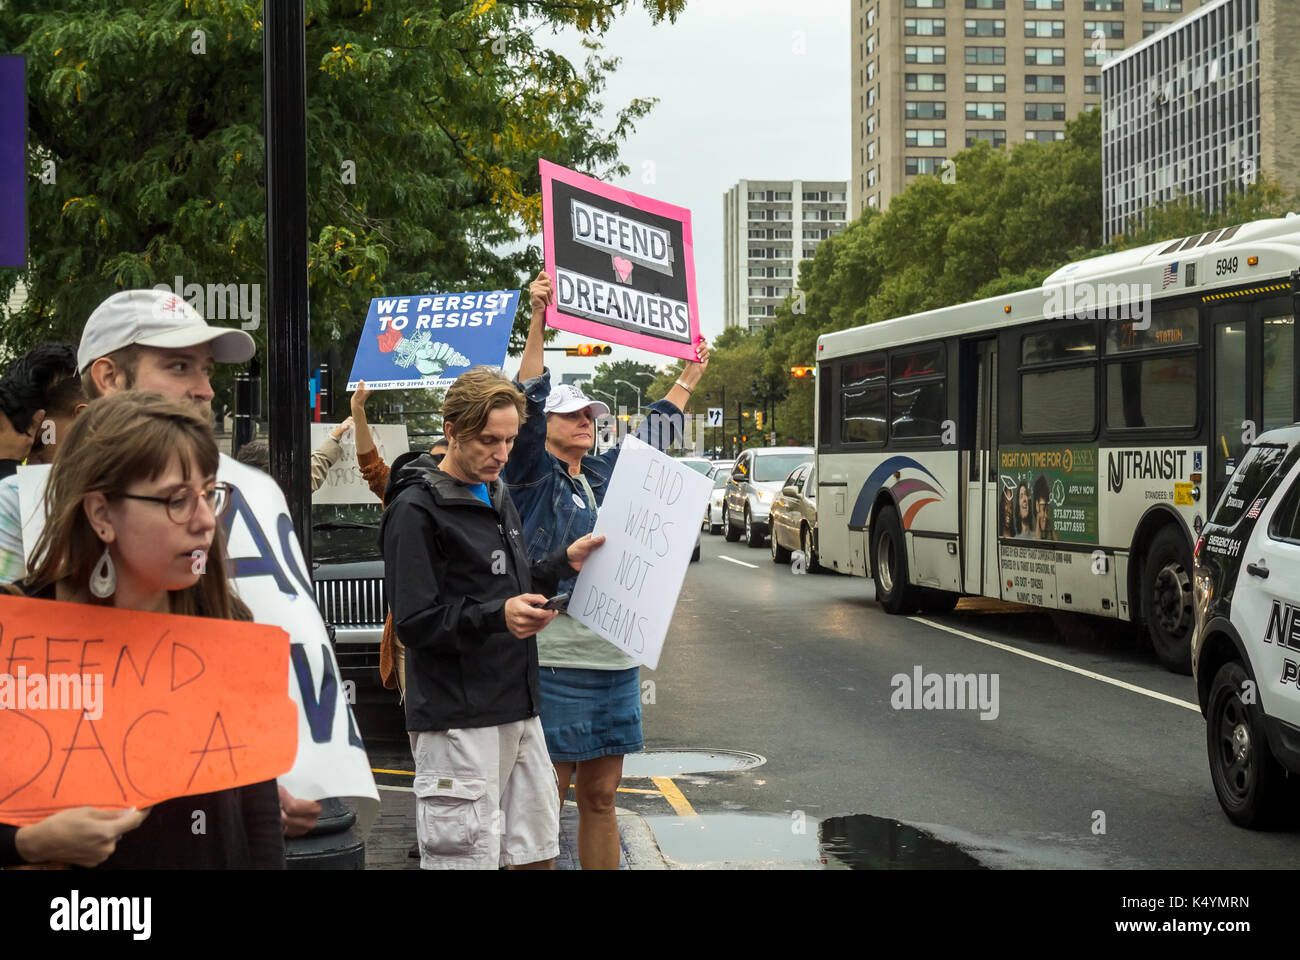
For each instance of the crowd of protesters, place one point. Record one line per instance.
(507, 699)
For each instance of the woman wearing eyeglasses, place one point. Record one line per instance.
(132, 506)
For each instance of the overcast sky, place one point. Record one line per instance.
(737, 100)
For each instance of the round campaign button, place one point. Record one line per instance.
(579, 502)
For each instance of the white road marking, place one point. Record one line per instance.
(384, 786)
(1064, 666)
(752, 566)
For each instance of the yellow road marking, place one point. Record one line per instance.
(674, 796)
(404, 773)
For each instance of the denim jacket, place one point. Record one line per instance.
(551, 502)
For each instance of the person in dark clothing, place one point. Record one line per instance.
(132, 502)
(460, 588)
(25, 398)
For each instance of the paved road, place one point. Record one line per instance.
(799, 669)
(1073, 771)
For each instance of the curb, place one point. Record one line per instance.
(639, 851)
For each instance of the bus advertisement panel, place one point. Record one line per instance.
(1048, 493)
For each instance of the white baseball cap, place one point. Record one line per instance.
(156, 318)
(568, 397)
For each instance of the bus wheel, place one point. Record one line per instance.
(889, 561)
(1167, 599)
(1247, 780)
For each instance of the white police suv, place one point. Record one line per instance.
(1246, 645)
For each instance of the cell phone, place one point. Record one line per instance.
(558, 602)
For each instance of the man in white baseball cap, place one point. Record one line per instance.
(153, 340)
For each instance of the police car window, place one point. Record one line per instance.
(1256, 467)
(1286, 518)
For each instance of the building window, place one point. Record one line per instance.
(924, 4)
(1091, 83)
(871, 151)
(926, 138)
(986, 28)
(1044, 56)
(1044, 136)
(871, 201)
(871, 97)
(871, 69)
(1039, 83)
(923, 165)
(871, 177)
(871, 44)
(1162, 6)
(1151, 26)
(986, 83)
(913, 27)
(923, 81)
(871, 124)
(1095, 58)
(925, 110)
(924, 55)
(1111, 29)
(986, 4)
(1044, 28)
(992, 55)
(1105, 6)
(998, 138)
(871, 17)
(1044, 111)
(1044, 4)
(986, 111)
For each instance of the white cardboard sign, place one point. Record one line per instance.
(344, 482)
(271, 578)
(650, 517)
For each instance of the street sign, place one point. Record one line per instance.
(715, 417)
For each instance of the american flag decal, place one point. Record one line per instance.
(1255, 507)
(1170, 276)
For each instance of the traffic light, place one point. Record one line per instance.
(588, 350)
(744, 439)
(800, 373)
(758, 419)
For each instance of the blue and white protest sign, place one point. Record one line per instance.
(427, 340)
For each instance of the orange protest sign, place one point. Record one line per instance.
(115, 708)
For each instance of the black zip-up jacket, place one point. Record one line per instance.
(450, 564)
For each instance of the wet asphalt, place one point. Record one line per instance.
(1072, 772)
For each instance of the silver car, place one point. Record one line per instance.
(794, 517)
(755, 483)
(719, 474)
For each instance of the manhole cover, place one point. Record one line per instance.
(674, 763)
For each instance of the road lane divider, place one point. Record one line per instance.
(675, 799)
(1069, 667)
(752, 566)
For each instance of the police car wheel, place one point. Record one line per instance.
(1247, 779)
(1167, 599)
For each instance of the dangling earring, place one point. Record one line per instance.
(103, 579)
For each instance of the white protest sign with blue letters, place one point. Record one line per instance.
(426, 341)
(269, 575)
(627, 589)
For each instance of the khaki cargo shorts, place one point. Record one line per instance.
(485, 797)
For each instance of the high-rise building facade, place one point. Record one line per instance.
(1200, 109)
(769, 227)
(932, 77)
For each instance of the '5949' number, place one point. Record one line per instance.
(1225, 265)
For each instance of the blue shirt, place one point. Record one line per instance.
(480, 490)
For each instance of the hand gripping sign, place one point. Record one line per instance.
(269, 575)
(117, 708)
(623, 265)
(627, 590)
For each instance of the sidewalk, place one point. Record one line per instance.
(393, 834)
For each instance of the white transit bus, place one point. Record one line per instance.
(1059, 446)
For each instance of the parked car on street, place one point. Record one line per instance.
(713, 512)
(755, 482)
(1245, 646)
(793, 523)
(348, 578)
(698, 464)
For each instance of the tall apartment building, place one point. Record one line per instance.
(769, 226)
(1201, 108)
(931, 77)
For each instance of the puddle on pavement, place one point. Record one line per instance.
(676, 763)
(862, 842)
(858, 842)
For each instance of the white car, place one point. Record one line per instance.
(755, 482)
(1246, 644)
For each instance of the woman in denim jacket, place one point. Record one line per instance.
(591, 703)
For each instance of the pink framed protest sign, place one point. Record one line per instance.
(623, 264)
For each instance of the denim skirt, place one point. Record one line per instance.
(590, 713)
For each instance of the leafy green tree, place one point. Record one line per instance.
(425, 124)
(641, 375)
